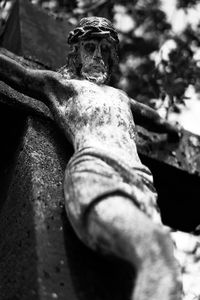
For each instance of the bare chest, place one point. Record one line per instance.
(94, 105)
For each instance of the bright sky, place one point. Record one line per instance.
(178, 17)
(189, 118)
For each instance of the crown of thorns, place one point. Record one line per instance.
(93, 31)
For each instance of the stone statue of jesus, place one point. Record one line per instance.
(109, 194)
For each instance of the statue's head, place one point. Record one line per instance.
(94, 49)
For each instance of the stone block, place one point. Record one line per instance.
(176, 171)
(32, 33)
(40, 256)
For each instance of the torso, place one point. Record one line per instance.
(99, 116)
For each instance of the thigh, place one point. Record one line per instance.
(83, 187)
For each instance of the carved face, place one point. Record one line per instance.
(94, 56)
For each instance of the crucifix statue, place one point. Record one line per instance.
(109, 195)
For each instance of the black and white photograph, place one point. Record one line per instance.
(100, 150)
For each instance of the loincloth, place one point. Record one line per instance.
(93, 175)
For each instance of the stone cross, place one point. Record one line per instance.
(109, 194)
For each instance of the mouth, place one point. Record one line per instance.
(95, 73)
(97, 67)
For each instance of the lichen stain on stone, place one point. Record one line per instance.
(184, 155)
(35, 155)
(40, 215)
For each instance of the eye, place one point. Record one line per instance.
(89, 47)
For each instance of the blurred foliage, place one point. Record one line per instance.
(156, 63)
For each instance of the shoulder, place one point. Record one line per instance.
(123, 95)
(115, 90)
(43, 75)
(52, 75)
(55, 79)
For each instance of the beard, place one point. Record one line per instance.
(95, 72)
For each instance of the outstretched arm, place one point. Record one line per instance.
(150, 119)
(33, 83)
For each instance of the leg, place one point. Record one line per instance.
(117, 227)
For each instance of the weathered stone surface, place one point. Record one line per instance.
(40, 257)
(18, 100)
(11, 129)
(36, 239)
(175, 166)
(176, 175)
(33, 33)
(23, 103)
(183, 155)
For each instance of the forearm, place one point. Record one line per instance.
(31, 82)
(17, 76)
(11, 72)
(150, 119)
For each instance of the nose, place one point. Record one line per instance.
(97, 52)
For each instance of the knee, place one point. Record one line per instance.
(116, 224)
(111, 212)
(107, 224)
